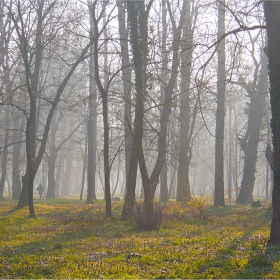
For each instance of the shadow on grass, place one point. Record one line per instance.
(258, 265)
(13, 210)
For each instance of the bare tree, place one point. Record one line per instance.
(32, 56)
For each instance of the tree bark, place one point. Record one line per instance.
(183, 187)
(5, 154)
(66, 178)
(219, 199)
(127, 87)
(230, 156)
(92, 122)
(164, 196)
(272, 11)
(18, 126)
(252, 137)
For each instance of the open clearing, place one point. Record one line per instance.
(69, 239)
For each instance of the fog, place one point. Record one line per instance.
(164, 100)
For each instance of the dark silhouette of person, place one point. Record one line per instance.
(40, 190)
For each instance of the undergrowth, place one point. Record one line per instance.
(69, 239)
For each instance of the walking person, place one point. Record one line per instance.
(40, 190)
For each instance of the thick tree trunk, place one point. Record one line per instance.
(272, 11)
(219, 199)
(129, 200)
(250, 146)
(183, 187)
(127, 86)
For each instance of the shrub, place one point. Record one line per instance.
(199, 204)
(143, 220)
(259, 259)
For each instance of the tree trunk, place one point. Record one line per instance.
(106, 157)
(172, 186)
(138, 21)
(52, 159)
(51, 174)
(92, 122)
(163, 184)
(168, 95)
(127, 87)
(129, 199)
(219, 199)
(18, 126)
(58, 177)
(250, 146)
(183, 182)
(272, 11)
(84, 167)
(230, 156)
(5, 153)
(66, 177)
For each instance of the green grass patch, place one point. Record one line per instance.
(69, 239)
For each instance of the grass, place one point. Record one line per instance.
(69, 239)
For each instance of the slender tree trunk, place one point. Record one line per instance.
(51, 174)
(58, 176)
(118, 176)
(235, 171)
(230, 157)
(106, 121)
(5, 153)
(172, 186)
(164, 76)
(92, 122)
(84, 168)
(18, 126)
(219, 199)
(66, 178)
(106, 158)
(168, 95)
(52, 159)
(138, 21)
(163, 184)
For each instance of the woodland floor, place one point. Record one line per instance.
(69, 239)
